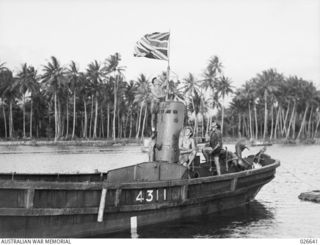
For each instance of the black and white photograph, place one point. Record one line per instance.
(159, 119)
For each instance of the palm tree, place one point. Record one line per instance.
(238, 105)
(191, 88)
(27, 82)
(9, 92)
(212, 74)
(95, 75)
(247, 94)
(142, 97)
(130, 92)
(268, 83)
(83, 91)
(4, 78)
(54, 77)
(309, 98)
(223, 88)
(196, 106)
(22, 78)
(112, 65)
(74, 77)
(120, 103)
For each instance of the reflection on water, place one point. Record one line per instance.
(276, 213)
(221, 225)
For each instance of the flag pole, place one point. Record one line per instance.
(168, 68)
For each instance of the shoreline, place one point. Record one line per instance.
(82, 142)
(134, 141)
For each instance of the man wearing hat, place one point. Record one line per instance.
(214, 147)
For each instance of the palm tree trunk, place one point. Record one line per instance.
(55, 117)
(60, 119)
(31, 115)
(120, 124)
(271, 129)
(95, 119)
(265, 115)
(139, 122)
(85, 119)
(38, 125)
(114, 109)
(222, 116)
(67, 128)
(126, 125)
(144, 121)
(195, 130)
(277, 124)
(108, 121)
(74, 115)
(91, 117)
(243, 126)
(5, 122)
(81, 127)
(309, 123)
(250, 121)
(24, 115)
(246, 125)
(102, 121)
(207, 129)
(130, 131)
(285, 120)
(119, 121)
(256, 120)
(293, 125)
(239, 125)
(196, 126)
(202, 126)
(316, 127)
(10, 120)
(303, 121)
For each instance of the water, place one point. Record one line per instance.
(276, 213)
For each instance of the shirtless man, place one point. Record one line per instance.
(187, 148)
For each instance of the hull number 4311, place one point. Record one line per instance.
(151, 195)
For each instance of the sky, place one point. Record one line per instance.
(248, 36)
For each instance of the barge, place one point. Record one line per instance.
(88, 205)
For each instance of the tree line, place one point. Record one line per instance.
(62, 102)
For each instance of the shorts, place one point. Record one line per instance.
(208, 150)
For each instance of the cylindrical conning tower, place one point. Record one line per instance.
(169, 124)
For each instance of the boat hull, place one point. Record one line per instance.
(68, 209)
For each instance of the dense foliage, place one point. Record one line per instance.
(64, 103)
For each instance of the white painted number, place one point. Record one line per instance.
(139, 197)
(149, 195)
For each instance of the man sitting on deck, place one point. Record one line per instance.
(214, 147)
(187, 148)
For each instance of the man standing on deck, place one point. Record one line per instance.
(153, 146)
(214, 147)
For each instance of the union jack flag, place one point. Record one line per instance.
(153, 46)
